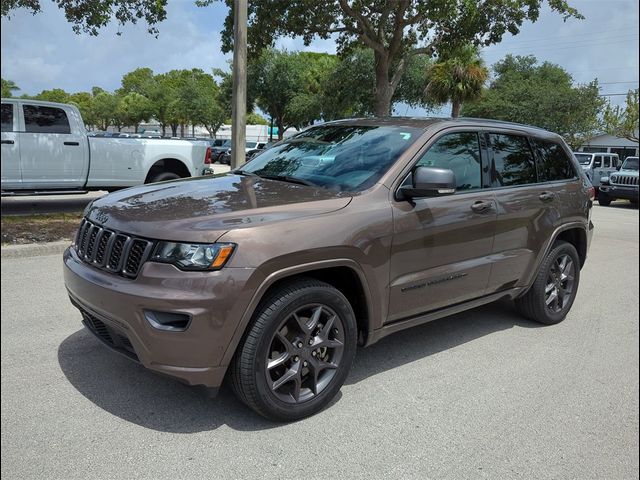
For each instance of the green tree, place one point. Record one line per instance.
(84, 102)
(621, 121)
(105, 108)
(256, 119)
(457, 77)
(8, 87)
(134, 108)
(395, 30)
(543, 95)
(89, 16)
(53, 95)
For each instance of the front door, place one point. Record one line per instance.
(11, 176)
(442, 245)
(52, 156)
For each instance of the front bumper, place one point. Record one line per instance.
(621, 191)
(214, 301)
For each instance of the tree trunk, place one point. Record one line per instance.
(136, 128)
(280, 125)
(174, 129)
(182, 130)
(164, 129)
(456, 105)
(384, 90)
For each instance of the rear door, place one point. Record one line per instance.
(526, 209)
(441, 247)
(52, 156)
(11, 175)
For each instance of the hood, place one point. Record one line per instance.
(202, 209)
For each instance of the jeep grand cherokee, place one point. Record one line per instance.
(270, 275)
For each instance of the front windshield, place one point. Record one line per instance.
(631, 163)
(337, 157)
(251, 144)
(583, 158)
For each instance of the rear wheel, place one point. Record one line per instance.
(552, 294)
(297, 353)
(604, 199)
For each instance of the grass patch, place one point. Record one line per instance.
(52, 227)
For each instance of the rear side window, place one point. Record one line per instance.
(7, 117)
(513, 161)
(553, 162)
(39, 119)
(459, 152)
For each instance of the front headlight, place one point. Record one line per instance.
(193, 256)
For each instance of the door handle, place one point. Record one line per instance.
(547, 196)
(72, 144)
(481, 206)
(7, 142)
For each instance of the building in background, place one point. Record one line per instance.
(610, 144)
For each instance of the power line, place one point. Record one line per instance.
(613, 94)
(615, 83)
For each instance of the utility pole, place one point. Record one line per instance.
(239, 107)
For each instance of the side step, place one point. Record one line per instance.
(27, 193)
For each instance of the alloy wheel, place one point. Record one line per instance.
(560, 283)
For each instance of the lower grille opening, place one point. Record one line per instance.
(112, 337)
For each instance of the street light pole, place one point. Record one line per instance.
(239, 101)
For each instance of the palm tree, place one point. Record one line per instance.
(8, 86)
(457, 77)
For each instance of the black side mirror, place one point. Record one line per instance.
(429, 182)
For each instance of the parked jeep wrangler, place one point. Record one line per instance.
(620, 185)
(271, 275)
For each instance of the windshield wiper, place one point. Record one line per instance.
(285, 178)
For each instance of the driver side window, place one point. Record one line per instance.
(459, 152)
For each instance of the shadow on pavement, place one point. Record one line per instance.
(131, 392)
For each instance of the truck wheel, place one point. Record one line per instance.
(297, 353)
(163, 177)
(604, 199)
(552, 294)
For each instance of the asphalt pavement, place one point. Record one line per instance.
(483, 394)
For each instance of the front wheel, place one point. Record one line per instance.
(552, 294)
(297, 353)
(165, 176)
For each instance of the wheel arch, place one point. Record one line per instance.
(172, 165)
(343, 274)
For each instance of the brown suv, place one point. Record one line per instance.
(347, 232)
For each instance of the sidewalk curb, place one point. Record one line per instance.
(34, 249)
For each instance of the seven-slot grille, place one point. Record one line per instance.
(624, 180)
(110, 250)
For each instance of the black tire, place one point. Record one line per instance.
(604, 199)
(164, 176)
(533, 304)
(249, 371)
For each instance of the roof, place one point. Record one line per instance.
(426, 122)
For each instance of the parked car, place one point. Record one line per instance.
(620, 185)
(250, 149)
(271, 275)
(45, 148)
(598, 165)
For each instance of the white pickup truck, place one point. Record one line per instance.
(46, 149)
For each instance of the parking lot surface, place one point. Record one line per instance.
(483, 394)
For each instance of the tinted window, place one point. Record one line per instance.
(7, 117)
(459, 152)
(597, 161)
(553, 162)
(607, 162)
(512, 160)
(39, 119)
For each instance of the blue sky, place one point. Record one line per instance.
(41, 52)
